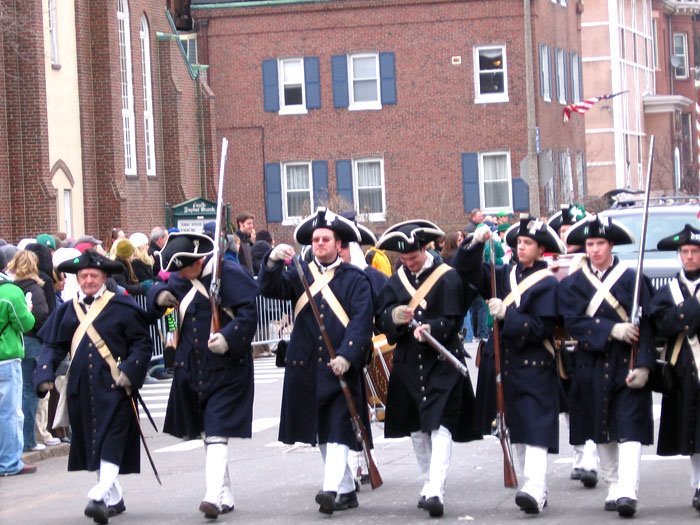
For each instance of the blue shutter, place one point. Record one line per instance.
(542, 54)
(319, 174)
(339, 70)
(273, 192)
(387, 77)
(343, 176)
(271, 92)
(470, 181)
(312, 77)
(521, 195)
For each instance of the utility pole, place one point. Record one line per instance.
(533, 178)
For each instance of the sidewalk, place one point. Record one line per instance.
(54, 451)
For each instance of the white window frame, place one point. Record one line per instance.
(292, 109)
(374, 216)
(684, 56)
(68, 211)
(363, 105)
(563, 2)
(187, 40)
(575, 78)
(545, 64)
(561, 76)
(127, 87)
(148, 124)
(580, 177)
(482, 182)
(655, 42)
(294, 219)
(487, 98)
(53, 34)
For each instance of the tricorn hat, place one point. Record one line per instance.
(90, 259)
(182, 249)
(536, 230)
(568, 214)
(366, 235)
(688, 235)
(409, 236)
(325, 218)
(598, 227)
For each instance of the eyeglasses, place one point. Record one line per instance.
(316, 240)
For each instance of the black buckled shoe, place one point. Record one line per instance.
(527, 503)
(326, 501)
(346, 501)
(626, 507)
(576, 473)
(117, 508)
(97, 510)
(421, 502)
(225, 509)
(610, 505)
(434, 507)
(589, 478)
(210, 510)
(696, 500)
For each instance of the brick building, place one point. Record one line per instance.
(402, 108)
(106, 121)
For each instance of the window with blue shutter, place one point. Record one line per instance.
(312, 77)
(387, 75)
(521, 195)
(343, 175)
(470, 181)
(319, 174)
(270, 85)
(273, 192)
(339, 71)
(567, 76)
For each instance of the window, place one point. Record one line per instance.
(363, 75)
(545, 74)
(495, 181)
(680, 50)
(189, 43)
(147, 98)
(53, 34)
(296, 186)
(368, 175)
(561, 76)
(566, 183)
(687, 136)
(576, 93)
(67, 212)
(490, 74)
(292, 96)
(580, 176)
(655, 42)
(127, 88)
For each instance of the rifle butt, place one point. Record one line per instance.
(510, 478)
(375, 479)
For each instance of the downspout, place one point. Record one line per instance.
(533, 178)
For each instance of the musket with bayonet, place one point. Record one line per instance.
(219, 244)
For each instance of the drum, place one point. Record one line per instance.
(377, 375)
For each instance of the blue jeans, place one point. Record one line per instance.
(480, 312)
(32, 350)
(11, 417)
(468, 325)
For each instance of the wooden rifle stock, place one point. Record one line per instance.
(375, 478)
(510, 479)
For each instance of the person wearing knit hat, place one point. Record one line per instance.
(611, 403)
(123, 255)
(524, 304)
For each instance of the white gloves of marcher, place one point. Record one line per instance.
(481, 234)
(45, 386)
(166, 299)
(637, 378)
(420, 331)
(626, 332)
(123, 380)
(217, 344)
(496, 308)
(339, 365)
(281, 252)
(402, 315)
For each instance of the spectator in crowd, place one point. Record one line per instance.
(47, 240)
(142, 263)
(117, 233)
(245, 224)
(157, 240)
(45, 267)
(476, 217)
(263, 244)
(124, 254)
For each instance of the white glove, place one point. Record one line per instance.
(28, 300)
(217, 344)
(402, 315)
(281, 252)
(419, 332)
(496, 308)
(637, 378)
(123, 380)
(481, 234)
(166, 299)
(339, 365)
(626, 332)
(45, 386)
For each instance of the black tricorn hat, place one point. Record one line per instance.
(324, 218)
(409, 236)
(182, 249)
(598, 227)
(366, 235)
(536, 230)
(688, 235)
(90, 259)
(568, 214)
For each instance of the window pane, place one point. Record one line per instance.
(495, 168)
(293, 73)
(368, 174)
(490, 59)
(496, 194)
(292, 96)
(370, 200)
(364, 67)
(297, 177)
(365, 91)
(297, 203)
(491, 83)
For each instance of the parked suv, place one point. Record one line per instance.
(666, 216)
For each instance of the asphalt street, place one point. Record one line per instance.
(276, 483)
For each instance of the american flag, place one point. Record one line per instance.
(585, 105)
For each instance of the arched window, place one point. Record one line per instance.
(147, 98)
(127, 85)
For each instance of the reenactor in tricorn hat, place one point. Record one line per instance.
(610, 400)
(524, 305)
(427, 395)
(212, 389)
(110, 361)
(314, 409)
(675, 311)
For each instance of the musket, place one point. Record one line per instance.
(440, 349)
(219, 244)
(636, 313)
(510, 478)
(360, 431)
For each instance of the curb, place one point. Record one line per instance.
(53, 451)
